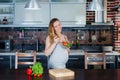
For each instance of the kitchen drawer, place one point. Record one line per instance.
(4, 58)
(4, 62)
(75, 62)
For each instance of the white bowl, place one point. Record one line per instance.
(107, 48)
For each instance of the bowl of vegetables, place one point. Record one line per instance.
(67, 44)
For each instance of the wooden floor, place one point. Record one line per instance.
(80, 74)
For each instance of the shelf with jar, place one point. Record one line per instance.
(6, 13)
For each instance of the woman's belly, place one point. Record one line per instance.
(59, 55)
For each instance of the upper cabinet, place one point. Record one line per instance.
(70, 12)
(32, 17)
(28, 0)
(80, 1)
(6, 12)
(6, 1)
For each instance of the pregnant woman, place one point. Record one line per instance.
(57, 54)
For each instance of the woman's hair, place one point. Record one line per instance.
(51, 30)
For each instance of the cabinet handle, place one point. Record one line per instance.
(1, 58)
(73, 58)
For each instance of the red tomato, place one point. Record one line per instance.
(29, 77)
(35, 75)
(39, 75)
(29, 71)
(64, 43)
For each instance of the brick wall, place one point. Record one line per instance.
(90, 15)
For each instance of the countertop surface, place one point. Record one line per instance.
(72, 52)
(80, 74)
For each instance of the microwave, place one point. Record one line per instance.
(5, 45)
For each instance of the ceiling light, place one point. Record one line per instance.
(95, 5)
(32, 5)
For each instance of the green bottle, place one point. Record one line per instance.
(77, 42)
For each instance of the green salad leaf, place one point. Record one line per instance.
(69, 45)
(37, 68)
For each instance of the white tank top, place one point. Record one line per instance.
(58, 57)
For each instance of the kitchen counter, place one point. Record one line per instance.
(72, 52)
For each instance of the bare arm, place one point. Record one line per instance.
(50, 47)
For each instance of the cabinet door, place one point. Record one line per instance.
(80, 1)
(28, 0)
(6, 1)
(24, 16)
(6, 13)
(4, 61)
(69, 13)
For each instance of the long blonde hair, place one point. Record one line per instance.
(51, 30)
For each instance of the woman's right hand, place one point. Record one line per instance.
(56, 39)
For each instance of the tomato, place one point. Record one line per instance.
(29, 71)
(29, 77)
(39, 75)
(64, 43)
(35, 75)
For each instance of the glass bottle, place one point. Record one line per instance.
(77, 42)
(22, 30)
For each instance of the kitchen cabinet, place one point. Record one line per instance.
(6, 1)
(81, 1)
(43, 60)
(30, 16)
(53, 0)
(68, 11)
(75, 61)
(6, 13)
(5, 61)
(19, 1)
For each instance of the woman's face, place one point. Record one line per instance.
(57, 26)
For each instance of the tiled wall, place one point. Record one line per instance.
(31, 36)
(40, 35)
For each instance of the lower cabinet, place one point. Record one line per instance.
(78, 62)
(4, 61)
(75, 62)
(43, 60)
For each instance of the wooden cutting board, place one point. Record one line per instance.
(61, 72)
